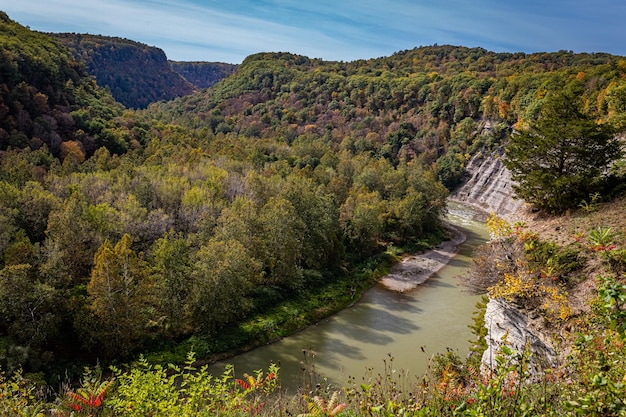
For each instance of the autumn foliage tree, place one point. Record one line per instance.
(120, 294)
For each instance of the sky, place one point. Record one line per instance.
(341, 30)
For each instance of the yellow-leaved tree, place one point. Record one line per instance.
(120, 294)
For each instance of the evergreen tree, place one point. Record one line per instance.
(561, 158)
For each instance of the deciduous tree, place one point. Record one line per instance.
(30, 315)
(222, 278)
(362, 218)
(282, 234)
(120, 295)
(173, 282)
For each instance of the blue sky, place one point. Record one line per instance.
(345, 30)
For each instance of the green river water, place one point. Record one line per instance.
(409, 326)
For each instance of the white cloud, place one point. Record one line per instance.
(331, 29)
(167, 24)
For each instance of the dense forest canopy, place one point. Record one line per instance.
(440, 104)
(165, 232)
(124, 230)
(47, 99)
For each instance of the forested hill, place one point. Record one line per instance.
(135, 73)
(47, 98)
(203, 74)
(430, 102)
(120, 233)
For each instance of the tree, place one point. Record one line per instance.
(362, 218)
(321, 247)
(120, 292)
(222, 278)
(30, 315)
(561, 158)
(35, 205)
(240, 222)
(172, 272)
(282, 235)
(70, 244)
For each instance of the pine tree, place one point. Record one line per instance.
(561, 159)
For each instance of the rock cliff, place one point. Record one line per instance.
(507, 324)
(489, 189)
(135, 73)
(489, 186)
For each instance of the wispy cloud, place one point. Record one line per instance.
(227, 35)
(228, 31)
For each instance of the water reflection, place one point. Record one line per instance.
(433, 317)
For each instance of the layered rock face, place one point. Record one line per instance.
(489, 188)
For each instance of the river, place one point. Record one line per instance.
(410, 326)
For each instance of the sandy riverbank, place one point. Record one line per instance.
(415, 269)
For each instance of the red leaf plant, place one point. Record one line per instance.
(90, 396)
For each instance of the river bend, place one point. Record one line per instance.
(410, 326)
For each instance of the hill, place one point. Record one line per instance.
(203, 74)
(47, 99)
(441, 104)
(135, 73)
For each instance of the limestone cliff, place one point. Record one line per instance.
(489, 186)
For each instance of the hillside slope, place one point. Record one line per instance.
(135, 73)
(203, 74)
(136, 234)
(47, 98)
(428, 102)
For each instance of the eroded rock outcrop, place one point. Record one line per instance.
(489, 187)
(507, 324)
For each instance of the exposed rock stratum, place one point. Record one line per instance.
(489, 187)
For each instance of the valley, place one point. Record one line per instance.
(150, 226)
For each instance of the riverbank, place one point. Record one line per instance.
(311, 307)
(435, 317)
(415, 269)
